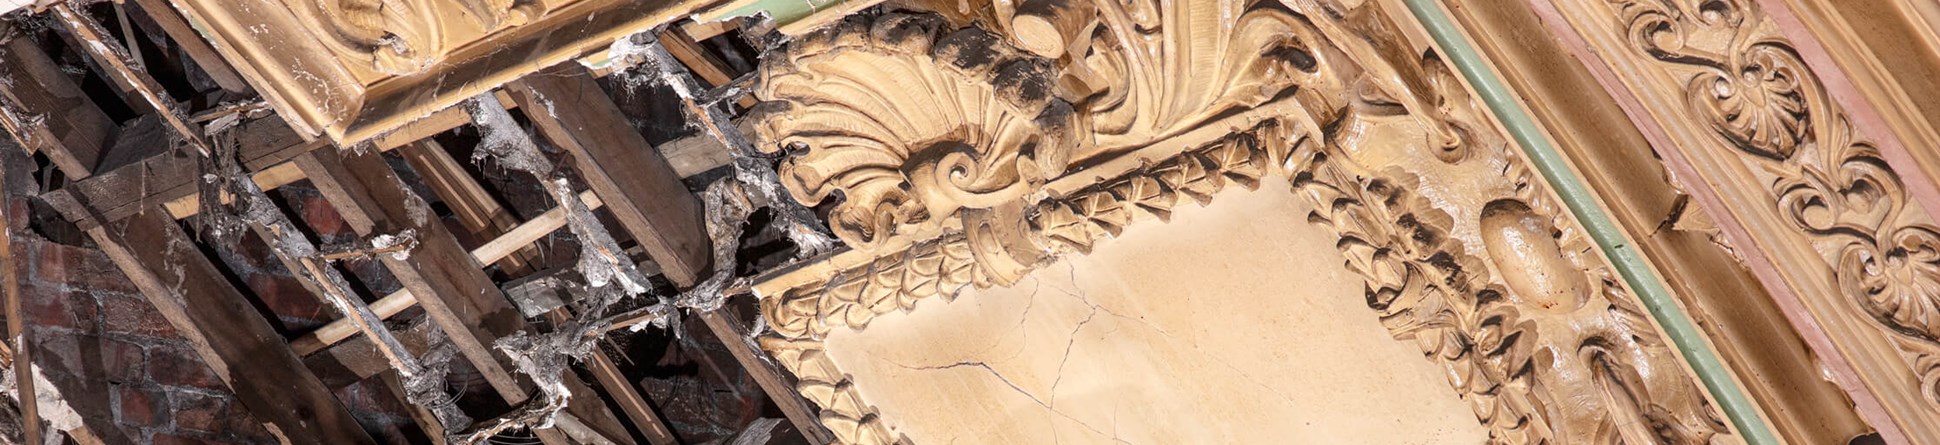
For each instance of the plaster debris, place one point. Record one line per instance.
(544, 357)
(727, 210)
(626, 53)
(656, 316)
(427, 387)
(230, 114)
(601, 260)
(750, 167)
(415, 210)
(758, 432)
(501, 138)
(301, 257)
(218, 172)
(398, 245)
(53, 407)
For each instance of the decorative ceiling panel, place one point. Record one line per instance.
(352, 70)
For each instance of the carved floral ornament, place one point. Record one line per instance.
(951, 157)
(399, 37)
(1762, 100)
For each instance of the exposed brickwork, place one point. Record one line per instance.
(117, 361)
(134, 379)
(265, 276)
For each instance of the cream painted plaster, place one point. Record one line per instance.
(1231, 324)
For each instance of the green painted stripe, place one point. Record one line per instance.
(1608, 236)
(782, 11)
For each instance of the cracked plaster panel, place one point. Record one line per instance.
(1235, 323)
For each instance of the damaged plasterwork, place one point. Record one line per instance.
(1234, 323)
(53, 408)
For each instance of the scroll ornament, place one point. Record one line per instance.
(401, 37)
(931, 147)
(1765, 103)
(922, 129)
(912, 125)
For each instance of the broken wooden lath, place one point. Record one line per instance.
(226, 158)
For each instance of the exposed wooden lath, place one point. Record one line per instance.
(134, 207)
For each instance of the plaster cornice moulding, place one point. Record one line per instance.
(1817, 208)
(964, 159)
(351, 73)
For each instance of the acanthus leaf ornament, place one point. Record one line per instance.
(1757, 101)
(951, 172)
(390, 36)
(1764, 101)
(1898, 277)
(402, 37)
(912, 123)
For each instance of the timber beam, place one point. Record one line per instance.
(452, 288)
(690, 156)
(226, 331)
(657, 209)
(190, 292)
(641, 189)
(47, 112)
(268, 150)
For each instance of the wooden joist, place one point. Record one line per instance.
(603, 147)
(631, 402)
(125, 73)
(640, 188)
(135, 206)
(491, 252)
(477, 210)
(650, 202)
(225, 330)
(191, 42)
(765, 373)
(723, 324)
(47, 112)
(359, 359)
(22, 352)
(451, 286)
(221, 325)
(482, 214)
(621, 389)
(267, 148)
(590, 410)
(423, 417)
(703, 64)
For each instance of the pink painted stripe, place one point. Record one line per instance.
(1756, 258)
(1863, 113)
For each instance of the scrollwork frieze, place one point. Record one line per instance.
(1762, 101)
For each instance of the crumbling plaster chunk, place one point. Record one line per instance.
(1235, 323)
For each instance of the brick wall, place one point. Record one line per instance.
(134, 380)
(120, 365)
(124, 369)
